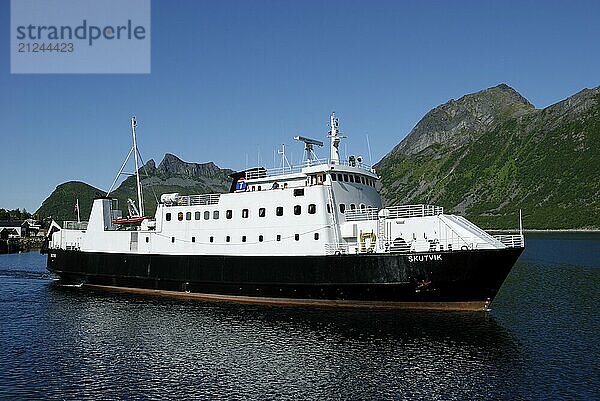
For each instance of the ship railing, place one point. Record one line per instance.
(271, 172)
(195, 200)
(75, 225)
(511, 241)
(394, 212)
(336, 249)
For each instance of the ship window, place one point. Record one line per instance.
(244, 213)
(168, 217)
(345, 177)
(362, 180)
(243, 238)
(253, 187)
(216, 215)
(172, 239)
(212, 239)
(333, 177)
(279, 211)
(180, 216)
(340, 177)
(188, 215)
(297, 237)
(316, 236)
(259, 188)
(193, 239)
(261, 212)
(297, 210)
(362, 206)
(227, 239)
(260, 238)
(147, 239)
(352, 206)
(312, 208)
(328, 208)
(278, 237)
(229, 214)
(357, 179)
(206, 215)
(342, 208)
(351, 178)
(197, 216)
(299, 192)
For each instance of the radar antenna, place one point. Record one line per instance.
(309, 153)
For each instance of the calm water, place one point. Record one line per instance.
(541, 341)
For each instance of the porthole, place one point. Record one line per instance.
(260, 238)
(172, 240)
(297, 237)
(206, 215)
(168, 217)
(188, 215)
(279, 211)
(229, 214)
(261, 212)
(212, 239)
(197, 216)
(216, 215)
(297, 210)
(243, 238)
(316, 236)
(193, 239)
(278, 237)
(244, 213)
(312, 208)
(227, 239)
(147, 239)
(180, 216)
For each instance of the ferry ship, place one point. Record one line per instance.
(309, 235)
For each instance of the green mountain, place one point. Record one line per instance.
(171, 175)
(491, 153)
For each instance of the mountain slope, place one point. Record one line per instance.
(489, 165)
(172, 175)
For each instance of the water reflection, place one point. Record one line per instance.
(213, 350)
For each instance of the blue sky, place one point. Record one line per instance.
(237, 78)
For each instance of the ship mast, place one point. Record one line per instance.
(334, 134)
(137, 168)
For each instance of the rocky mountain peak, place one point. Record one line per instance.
(172, 165)
(456, 122)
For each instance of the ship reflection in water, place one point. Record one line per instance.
(208, 350)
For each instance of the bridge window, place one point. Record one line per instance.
(261, 212)
(279, 211)
(312, 208)
(297, 210)
(260, 238)
(197, 216)
(206, 215)
(333, 177)
(180, 216)
(345, 177)
(168, 217)
(342, 208)
(340, 177)
(352, 206)
(216, 215)
(351, 178)
(244, 213)
(316, 236)
(229, 214)
(188, 215)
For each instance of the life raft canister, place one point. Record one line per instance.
(363, 242)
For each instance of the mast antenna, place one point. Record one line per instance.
(335, 136)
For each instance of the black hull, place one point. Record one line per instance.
(441, 280)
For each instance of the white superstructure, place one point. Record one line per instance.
(322, 207)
